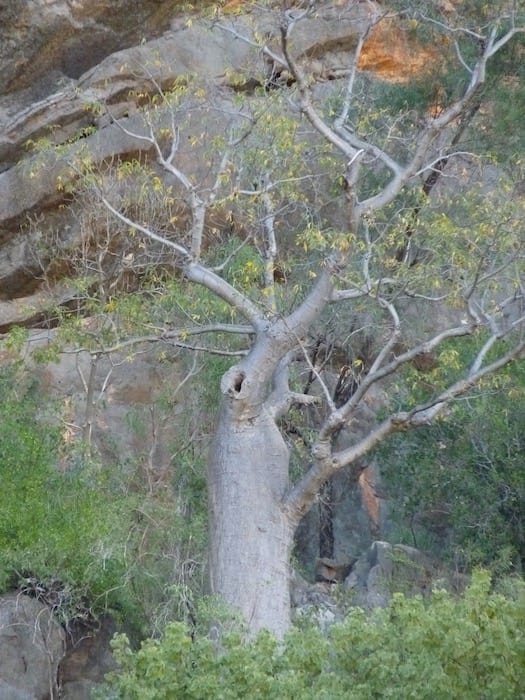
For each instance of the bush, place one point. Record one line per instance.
(61, 535)
(471, 647)
(94, 538)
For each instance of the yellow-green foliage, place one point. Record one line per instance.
(53, 526)
(471, 647)
(93, 533)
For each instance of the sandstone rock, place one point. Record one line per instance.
(42, 38)
(161, 60)
(332, 571)
(87, 660)
(128, 422)
(31, 646)
(385, 568)
(312, 601)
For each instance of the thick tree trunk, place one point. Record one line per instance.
(250, 536)
(251, 531)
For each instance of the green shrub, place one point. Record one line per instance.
(471, 647)
(96, 537)
(58, 531)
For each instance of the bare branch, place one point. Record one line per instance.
(337, 419)
(494, 46)
(394, 335)
(340, 121)
(264, 48)
(315, 372)
(207, 350)
(270, 247)
(305, 103)
(196, 272)
(132, 134)
(301, 495)
(145, 230)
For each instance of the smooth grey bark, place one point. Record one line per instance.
(251, 531)
(250, 535)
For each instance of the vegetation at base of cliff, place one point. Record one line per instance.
(89, 538)
(469, 647)
(61, 535)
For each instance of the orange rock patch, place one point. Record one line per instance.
(392, 54)
(233, 6)
(370, 498)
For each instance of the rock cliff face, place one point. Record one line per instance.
(44, 42)
(60, 57)
(31, 646)
(46, 46)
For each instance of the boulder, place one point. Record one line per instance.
(312, 601)
(87, 660)
(385, 568)
(32, 644)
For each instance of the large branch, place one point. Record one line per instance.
(196, 272)
(276, 338)
(352, 146)
(200, 274)
(282, 398)
(296, 325)
(300, 498)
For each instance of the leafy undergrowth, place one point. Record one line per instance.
(470, 647)
(457, 488)
(90, 539)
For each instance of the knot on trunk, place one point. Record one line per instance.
(238, 380)
(232, 382)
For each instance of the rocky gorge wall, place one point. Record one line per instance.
(45, 99)
(61, 58)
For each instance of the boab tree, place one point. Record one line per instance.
(275, 161)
